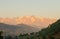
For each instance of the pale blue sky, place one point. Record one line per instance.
(17, 8)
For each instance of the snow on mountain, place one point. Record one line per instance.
(29, 20)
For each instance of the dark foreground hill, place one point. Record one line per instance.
(51, 32)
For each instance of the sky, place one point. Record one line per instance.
(17, 8)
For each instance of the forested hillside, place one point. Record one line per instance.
(47, 33)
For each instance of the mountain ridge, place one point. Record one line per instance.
(29, 20)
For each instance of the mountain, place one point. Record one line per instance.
(17, 29)
(39, 22)
(51, 32)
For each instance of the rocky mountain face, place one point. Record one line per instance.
(25, 24)
(29, 20)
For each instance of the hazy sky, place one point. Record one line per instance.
(16, 8)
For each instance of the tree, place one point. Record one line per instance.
(1, 37)
(8, 37)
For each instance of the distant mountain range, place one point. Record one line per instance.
(29, 20)
(25, 24)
